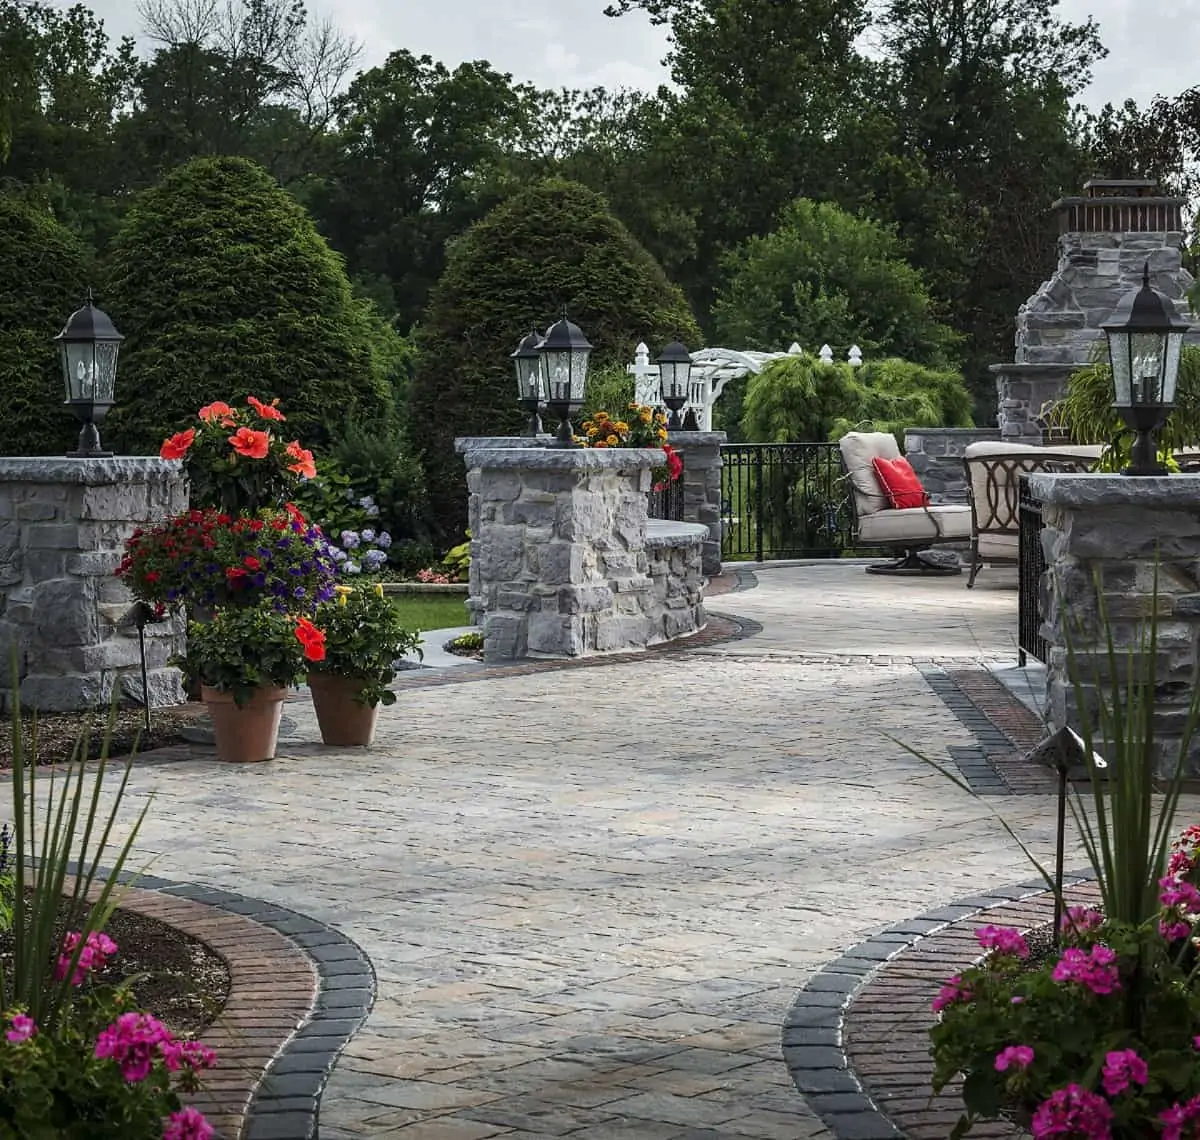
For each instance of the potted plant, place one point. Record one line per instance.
(364, 638)
(244, 659)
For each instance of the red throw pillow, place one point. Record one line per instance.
(900, 483)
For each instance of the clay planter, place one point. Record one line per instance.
(342, 719)
(248, 734)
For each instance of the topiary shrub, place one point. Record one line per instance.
(554, 245)
(223, 289)
(44, 280)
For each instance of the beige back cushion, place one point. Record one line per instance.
(858, 449)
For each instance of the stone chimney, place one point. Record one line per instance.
(1105, 238)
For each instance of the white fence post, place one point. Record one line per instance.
(646, 386)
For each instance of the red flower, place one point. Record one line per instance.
(674, 462)
(152, 575)
(256, 525)
(177, 446)
(304, 465)
(218, 409)
(312, 639)
(251, 563)
(267, 411)
(294, 514)
(250, 443)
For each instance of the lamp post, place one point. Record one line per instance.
(1144, 339)
(528, 367)
(674, 372)
(564, 362)
(88, 344)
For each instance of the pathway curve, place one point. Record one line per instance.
(591, 895)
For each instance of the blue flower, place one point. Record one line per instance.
(350, 539)
(372, 511)
(339, 555)
(351, 568)
(383, 539)
(368, 535)
(299, 592)
(374, 559)
(259, 579)
(366, 502)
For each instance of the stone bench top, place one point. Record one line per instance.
(90, 472)
(564, 459)
(663, 532)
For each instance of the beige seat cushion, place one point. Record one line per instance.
(999, 546)
(915, 524)
(858, 449)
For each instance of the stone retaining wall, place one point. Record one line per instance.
(936, 455)
(674, 604)
(701, 453)
(1107, 539)
(63, 525)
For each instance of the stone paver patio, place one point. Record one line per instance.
(591, 895)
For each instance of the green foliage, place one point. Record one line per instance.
(242, 650)
(44, 281)
(1086, 411)
(457, 562)
(609, 389)
(824, 276)
(799, 399)
(56, 863)
(223, 287)
(551, 246)
(364, 637)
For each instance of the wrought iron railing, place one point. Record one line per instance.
(667, 501)
(1031, 565)
(785, 500)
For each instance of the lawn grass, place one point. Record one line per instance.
(432, 611)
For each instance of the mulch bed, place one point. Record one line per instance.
(176, 978)
(55, 738)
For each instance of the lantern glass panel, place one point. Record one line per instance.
(1171, 369)
(1147, 352)
(674, 379)
(565, 373)
(106, 370)
(528, 377)
(1119, 354)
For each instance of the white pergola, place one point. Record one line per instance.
(712, 369)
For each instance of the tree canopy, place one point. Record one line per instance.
(223, 288)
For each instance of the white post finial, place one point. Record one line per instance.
(855, 356)
(645, 377)
(826, 354)
(795, 350)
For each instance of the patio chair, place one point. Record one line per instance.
(993, 470)
(911, 530)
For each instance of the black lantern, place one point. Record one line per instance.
(527, 362)
(674, 373)
(564, 361)
(1145, 336)
(89, 344)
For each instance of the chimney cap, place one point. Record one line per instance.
(1121, 187)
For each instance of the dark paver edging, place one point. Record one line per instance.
(299, 992)
(855, 1040)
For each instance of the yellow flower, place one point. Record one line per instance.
(612, 441)
(645, 417)
(662, 434)
(601, 416)
(622, 425)
(379, 589)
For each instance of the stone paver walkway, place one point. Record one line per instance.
(590, 895)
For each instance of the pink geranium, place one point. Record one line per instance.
(134, 1041)
(1177, 1117)
(22, 1028)
(1004, 940)
(1080, 921)
(1014, 1056)
(1073, 1111)
(1095, 969)
(1122, 1067)
(953, 991)
(187, 1124)
(94, 955)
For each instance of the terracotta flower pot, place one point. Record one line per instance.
(247, 734)
(342, 719)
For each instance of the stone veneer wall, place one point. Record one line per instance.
(1104, 536)
(936, 455)
(701, 452)
(560, 565)
(63, 524)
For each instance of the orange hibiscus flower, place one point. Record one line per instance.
(177, 446)
(304, 465)
(217, 410)
(267, 411)
(312, 639)
(250, 443)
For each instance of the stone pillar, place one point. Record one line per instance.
(701, 451)
(936, 455)
(1104, 537)
(558, 549)
(63, 525)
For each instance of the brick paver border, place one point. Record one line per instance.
(856, 1040)
(299, 990)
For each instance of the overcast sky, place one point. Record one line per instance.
(556, 43)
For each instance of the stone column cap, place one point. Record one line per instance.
(1036, 369)
(1103, 489)
(465, 443)
(665, 532)
(696, 438)
(566, 458)
(90, 472)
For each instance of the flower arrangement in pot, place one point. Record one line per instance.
(641, 427)
(364, 638)
(244, 660)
